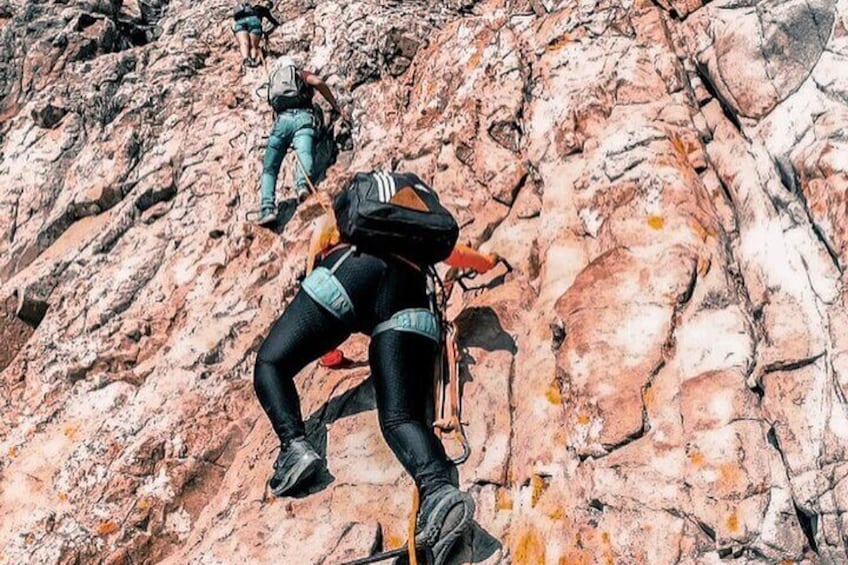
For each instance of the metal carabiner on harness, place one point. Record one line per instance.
(448, 389)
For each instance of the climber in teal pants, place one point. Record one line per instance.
(292, 128)
(290, 92)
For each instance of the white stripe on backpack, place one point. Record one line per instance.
(382, 188)
(386, 185)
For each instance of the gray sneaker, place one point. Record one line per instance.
(302, 194)
(445, 515)
(296, 463)
(267, 218)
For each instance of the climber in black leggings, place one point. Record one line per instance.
(401, 364)
(386, 298)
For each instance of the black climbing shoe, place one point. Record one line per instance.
(445, 515)
(296, 462)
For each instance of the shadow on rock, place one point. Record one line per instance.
(285, 212)
(358, 399)
(478, 545)
(480, 327)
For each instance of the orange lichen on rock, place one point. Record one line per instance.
(733, 522)
(530, 549)
(697, 458)
(556, 514)
(106, 527)
(394, 540)
(656, 222)
(538, 486)
(729, 475)
(503, 499)
(704, 264)
(553, 394)
(648, 397)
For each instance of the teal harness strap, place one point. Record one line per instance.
(324, 288)
(419, 321)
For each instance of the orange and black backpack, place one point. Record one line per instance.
(395, 213)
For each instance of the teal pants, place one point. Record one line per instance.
(293, 128)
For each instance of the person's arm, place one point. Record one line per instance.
(464, 257)
(318, 84)
(264, 12)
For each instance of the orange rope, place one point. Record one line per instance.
(309, 181)
(410, 539)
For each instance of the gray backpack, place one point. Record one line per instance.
(286, 88)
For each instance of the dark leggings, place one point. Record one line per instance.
(401, 362)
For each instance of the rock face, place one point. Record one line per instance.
(661, 379)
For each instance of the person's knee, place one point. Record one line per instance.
(275, 143)
(267, 354)
(390, 421)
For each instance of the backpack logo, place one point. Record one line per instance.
(386, 186)
(408, 198)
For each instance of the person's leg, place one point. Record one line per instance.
(303, 333)
(303, 142)
(402, 366)
(255, 51)
(243, 39)
(278, 142)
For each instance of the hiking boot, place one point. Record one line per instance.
(444, 517)
(267, 218)
(302, 194)
(296, 463)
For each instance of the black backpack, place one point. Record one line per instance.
(395, 213)
(243, 10)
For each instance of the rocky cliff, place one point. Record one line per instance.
(661, 379)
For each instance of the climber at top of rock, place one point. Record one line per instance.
(290, 92)
(373, 279)
(248, 29)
